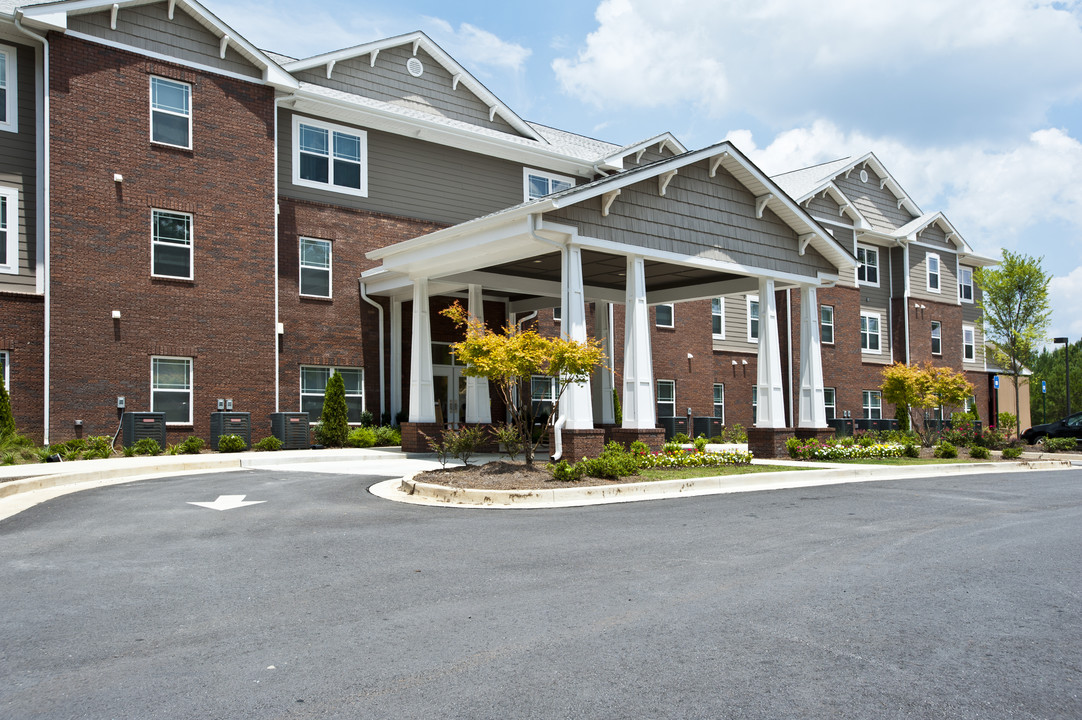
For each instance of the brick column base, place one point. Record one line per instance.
(820, 434)
(411, 436)
(654, 437)
(578, 444)
(769, 442)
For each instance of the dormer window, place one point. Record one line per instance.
(538, 183)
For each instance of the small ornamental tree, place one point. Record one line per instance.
(920, 389)
(334, 421)
(510, 359)
(7, 420)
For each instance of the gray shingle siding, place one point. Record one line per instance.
(918, 274)
(18, 169)
(877, 204)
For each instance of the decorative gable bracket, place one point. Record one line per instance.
(715, 163)
(760, 204)
(607, 200)
(663, 181)
(804, 240)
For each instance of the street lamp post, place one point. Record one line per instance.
(1067, 364)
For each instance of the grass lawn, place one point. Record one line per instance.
(688, 473)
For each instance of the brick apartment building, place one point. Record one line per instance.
(187, 218)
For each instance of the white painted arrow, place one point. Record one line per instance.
(228, 502)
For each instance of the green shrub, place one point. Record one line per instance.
(794, 445)
(75, 444)
(564, 471)
(945, 450)
(672, 447)
(700, 443)
(979, 453)
(98, 447)
(146, 446)
(1065, 444)
(1007, 423)
(172, 449)
(639, 448)
(617, 411)
(681, 438)
(461, 444)
(269, 443)
(440, 447)
(735, 433)
(7, 419)
(129, 451)
(1012, 453)
(334, 420)
(614, 462)
(991, 438)
(866, 440)
(387, 436)
(231, 443)
(510, 437)
(366, 418)
(911, 450)
(361, 437)
(191, 446)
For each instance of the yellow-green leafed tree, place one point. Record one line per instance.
(920, 389)
(508, 360)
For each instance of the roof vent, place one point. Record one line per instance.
(863, 174)
(414, 66)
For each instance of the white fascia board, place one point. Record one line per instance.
(859, 221)
(449, 64)
(436, 132)
(615, 159)
(894, 185)
(48, 18)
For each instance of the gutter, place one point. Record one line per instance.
(382, 383)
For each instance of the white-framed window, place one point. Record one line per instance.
(719, 401)
(965, 284)
(9, 89)
(314, 386)
(5, 369)
(9, 230)
(315, 276)
(538, 183)
(666, 398)
(753, 318)
(542, 393)
(826, 324)
(171, 389)
(868, 268)
(170, 112)
(330, 157)
(754, 404)
(717, 317)
(830, 403)
(665, 315)
(933, 272)
(969, 343)
(937, 338)
(869, 332)
(171, 244)
(873, 405)
(558, 313)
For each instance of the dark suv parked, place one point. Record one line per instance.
(1070, 426)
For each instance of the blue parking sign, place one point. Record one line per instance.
(995, 381)
(1044, 387)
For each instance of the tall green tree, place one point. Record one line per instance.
(1050, 366)
(334, 420)
(1014, 300)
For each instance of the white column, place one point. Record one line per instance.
(602, 381)
(478, 404)
(813, 413)
(638, 408)
(770, 412)
(396, 358)
(575, 404)
(422, 394)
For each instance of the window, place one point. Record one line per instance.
(753, 318)
(171, 389)
(315, 267)
(538, 183)
(170, 112)
(826, 324)
(933, 272)
(664, 315)
(314, 387)
(829, 403)
(869, 332)
(330, 157)
(9, 84)
(171, 244)
(868, 267)
(719, 401)
(558, 313)
(5, 369)
(9, 231)
(754, 404)
(543, 394)
(937, 338)
(717, 317)
(873, 405)
(965, 284)
(969, 346)
(666, 398)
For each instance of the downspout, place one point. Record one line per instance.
(44, 202)
(789, 344)
(561, 421)
(382, 383)
(905, 296)
(277, 317)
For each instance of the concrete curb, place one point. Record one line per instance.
(410, 490)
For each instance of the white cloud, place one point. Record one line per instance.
(901, 68)
(472, 46)
(1064, 291)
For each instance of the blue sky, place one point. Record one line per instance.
(975, 107)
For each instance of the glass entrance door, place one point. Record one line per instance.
(449, 387)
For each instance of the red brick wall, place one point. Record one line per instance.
(21, 333)
(101, 241)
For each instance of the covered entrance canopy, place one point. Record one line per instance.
(699, 225)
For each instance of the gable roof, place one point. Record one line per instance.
(417, 40)
(54, 16)
(804, 183)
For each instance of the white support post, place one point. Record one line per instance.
(602, 380)
(770, 411)
(575, 404)
(638, 408)
(813, 413)
(396, 359)
(478, 404)
(422, 392)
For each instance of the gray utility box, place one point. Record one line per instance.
(230, 423)
(139, 425)
(674, 425)
(707, 426)
(291, 429)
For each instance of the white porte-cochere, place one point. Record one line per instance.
(813, 412)
(478, 403)
(638, 402)
(770, 412)
(422, 393)
(576, 404)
